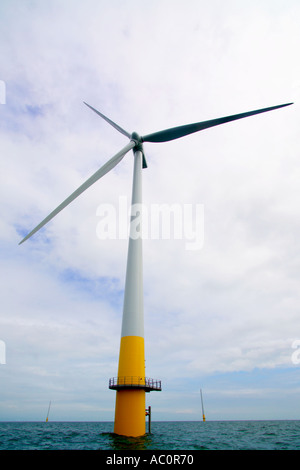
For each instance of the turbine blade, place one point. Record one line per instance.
(95, 177)
(110, 121)
(144, 161)
(181, 131)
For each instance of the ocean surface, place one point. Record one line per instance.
(214, 435)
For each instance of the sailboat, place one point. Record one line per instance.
(203, 415)
(48, 412)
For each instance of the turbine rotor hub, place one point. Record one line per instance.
(136, 138)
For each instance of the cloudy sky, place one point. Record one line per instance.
(224, 317)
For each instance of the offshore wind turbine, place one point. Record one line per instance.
(131, 383)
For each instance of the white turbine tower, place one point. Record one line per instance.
(131, 383)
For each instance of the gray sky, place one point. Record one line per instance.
(224, 317)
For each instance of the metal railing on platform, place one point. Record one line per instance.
(145, 383)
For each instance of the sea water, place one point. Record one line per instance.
(209, 435)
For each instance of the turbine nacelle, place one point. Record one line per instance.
(138, 140)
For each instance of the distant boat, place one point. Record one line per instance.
(203, 415)
(48, 412)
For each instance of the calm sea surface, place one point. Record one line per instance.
(215, 435)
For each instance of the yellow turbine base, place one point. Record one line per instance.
(132, 357)
(130, 403)
(130, 413)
